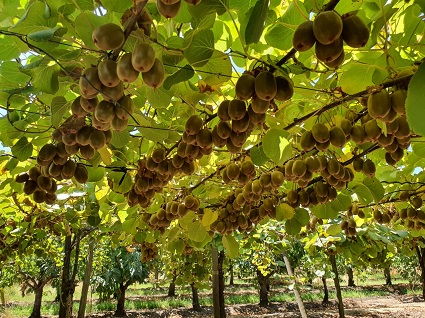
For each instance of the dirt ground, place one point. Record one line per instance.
(397, 306)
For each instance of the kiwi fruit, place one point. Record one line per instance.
(44, 183)
(277, 178)
(285, 88)
(108, 36)
(22, 177)
(232, 148)
(403, 130)
(255, 118)
(303, 38)
(193, 125)
(222, 110)
(76, 109)
(168, 11)
(97, 139)
(113, 94)
(372, 130)
(327, 27)
(312, 164)
(242, 125)
(248, 168)
(328, 53)
(71, 149)
(155, 76)
(90, 83)
(245, 87)
(233, 171)
(369, 168)
(39, 196)
(307, 141)
(143, 57)
(337, 137)
(124, 108)
(68, 169)
(358, 134)
(47, 152)
(81, 174)
(379, 104)
(216, 139)
(105, 112)
(333, 166)
(398, 101)
(299, 168)
(192, 151)
(204, 138)
(238, 139)
(34, 173)
(320, 133)
(337, 62)
(88, 105)
(125, 69)
(107, 70)
(390, 117)
(224, 130)
(260, 106)
(354, 31)
(265, 86)
(236, 109)
(158, 155)
(119, 124)
(398, 154)
(57, 135)
(87, 152)
(189, 168)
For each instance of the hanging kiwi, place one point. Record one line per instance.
(107, 70)
(125, 69)
(236, 109)
(265, 86)
(285, 88)
(354, 31)
(223, 110)
(327, 27)
(329, 52)
(105, 112)
(143, 57)
(379, 104)
(320, 133)
(113, 94)
(90, 84)
(245, 87)
(124, 107)
(155, 76)
(108, 36)
(168, 11)
(193, 125)
(303, 38)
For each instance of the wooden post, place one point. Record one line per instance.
(86, 281)
(337, 286)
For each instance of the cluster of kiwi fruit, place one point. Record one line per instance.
(319, 193)
(170, 8)
(311, 225)
(171, 211)
(328, 32)
(53, 162)
(366, 166)
(413, 216)
(149, 252)
(321, 137)
(242, 172)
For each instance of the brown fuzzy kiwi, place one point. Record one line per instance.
(320, 133)
(155, 76)
(285, 88)
(312, 164)
(105, 112)
(392, 127)
(238, 139)
(44, 183)
(108, 36)
(265, 86)
(224, 130)
(87, 152)
(260, 106)
(189, 168)
(323, 146)
(256, 118)
(83, 136)
(125, 69)
(81, 173)
(330, 52)
(385, 140)
(358, 134)
(71, 150)
(277, 178)
(372, 130)
(143, 57)
(237, 109)
(337, 137)
(392, 147)
(97, 139)
(248, 168)
(57, 135)
(327, 27)
(233, 171)
(34, 173)
(124, 107)
(107, 70)
(333, 166)
(76, 109)
(39, 196)
(189, 139)
(245, 87)
(47, 152)
(193, 125)
(307, 141)
(100, 126)
(119, 124)
(192, 151)
(299, 168)
(379, 104)
(398, 101)
(204, 138)
(112, 94)
(68, 169)
(303, 38)
(369, 168)
(416, 202)
(398, 154)
(22, 177)
(346, 126)
(292, 196)
(223, 110)
(354, 32)
(231, 147)
(168, 11)
(337, 62)
(90, 83)
(390, 117)
(69, 139)
(266, 180)
(158, 155)
(403, 130)
(242, 125)
(216, 139)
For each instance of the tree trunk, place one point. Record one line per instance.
(350, 277)
(36, 309)
(172, 287)
(387, 274)
(120, 312)
(420, 251)
(231, 283)
(326, 291)
(221, 284)
(2, 297)
(296, 291)
(264, 293)
(68, 277)
(218, 295)
(337, 286)
(195, 298)
(86, 281)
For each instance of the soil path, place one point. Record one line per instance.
(372, 307)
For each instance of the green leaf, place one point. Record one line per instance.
(375, 187)
(22, 149)
(47, 34)
(205, 8)
(35, 19)
(95, 174)
(130, 225)
(256, 22)
(276, 147)
(209, 217)
(231, 246)
(414, 103)
(8, 48)
(357, 77)
(120, 138)
(199, 46)
(419, 148)
(45, 78)
(58, 108)
(160, 97)
(324, 211)
(117, 6)
(184, 74)
(258, 156)
(11, 72)
(196, 231)
(334, 229)
(300, 219)
(363, 193)
(284, 212)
